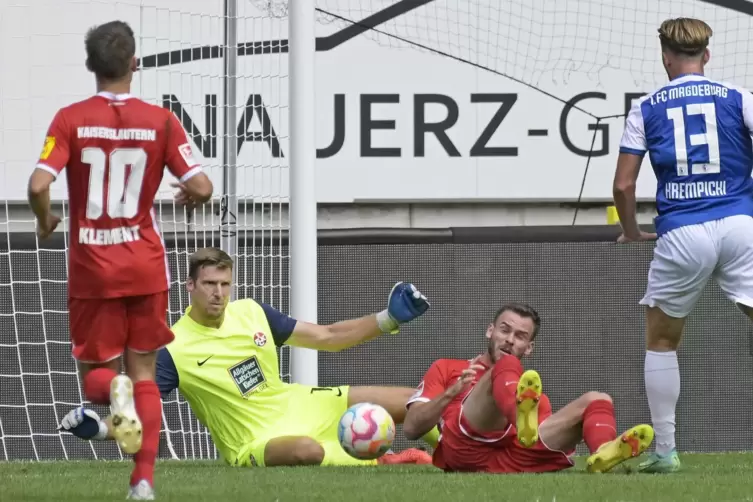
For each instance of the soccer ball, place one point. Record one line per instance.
(366, 431)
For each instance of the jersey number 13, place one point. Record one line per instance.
(710, 138)
(126, 168)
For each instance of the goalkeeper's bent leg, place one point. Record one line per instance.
(392, 399)
(432, 437)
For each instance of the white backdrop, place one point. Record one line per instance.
(42, 59)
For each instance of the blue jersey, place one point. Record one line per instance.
(697, 133)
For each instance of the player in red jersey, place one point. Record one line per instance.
(115, 148)
(494, 418)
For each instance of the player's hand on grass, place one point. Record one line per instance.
(46, 227)
(639, 237)
(465, 379)
(81, 422)
(406, 302)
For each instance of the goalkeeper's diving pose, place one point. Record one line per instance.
(494, 417)
(224, 362)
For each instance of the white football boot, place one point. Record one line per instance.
(141, 491)
(126, 425)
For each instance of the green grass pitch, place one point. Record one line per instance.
(705, 478)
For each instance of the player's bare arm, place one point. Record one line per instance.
(404, 304)
(194, 186)
(39, 200)
(52, 160)
(625, 179)
(423, 416)
(195, 190)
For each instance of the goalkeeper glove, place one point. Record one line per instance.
(84, 423)
(404, 304)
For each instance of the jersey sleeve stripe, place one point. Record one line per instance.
(45, 167)
(634, 151)
(190, 174)
(418, 399)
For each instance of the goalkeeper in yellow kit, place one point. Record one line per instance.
(224, 362)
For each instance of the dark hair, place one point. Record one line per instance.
(110, 48)
(208, 257)
(523, 310)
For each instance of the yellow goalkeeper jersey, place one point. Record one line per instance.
(230, 376)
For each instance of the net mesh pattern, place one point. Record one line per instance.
(587, 292)
(551, 45)
(591, 339)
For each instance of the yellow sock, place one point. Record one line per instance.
(432, 437)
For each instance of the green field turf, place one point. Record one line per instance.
(706, 478)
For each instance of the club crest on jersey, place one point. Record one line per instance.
(248, 376)
(49, 145)
(187, 153)
(260, 339)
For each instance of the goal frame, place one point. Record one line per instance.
(301, 168)
(302, 180)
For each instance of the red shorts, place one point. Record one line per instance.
(101, 329)
(461, 449)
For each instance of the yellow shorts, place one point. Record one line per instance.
(312, 412)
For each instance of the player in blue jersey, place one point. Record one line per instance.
(697, 133)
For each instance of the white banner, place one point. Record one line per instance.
(508, 112)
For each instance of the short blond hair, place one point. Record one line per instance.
(684, 35)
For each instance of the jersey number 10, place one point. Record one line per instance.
(124, 188)
(710, 138)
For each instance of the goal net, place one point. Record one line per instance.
(541, 50)
(183, 68)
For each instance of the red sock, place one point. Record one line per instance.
(149, 408)
(599, 425)
(505, 376)
(97, 385)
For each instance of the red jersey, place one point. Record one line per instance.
(115, 149)
(460, 447)
(463, 449)
(440, 376)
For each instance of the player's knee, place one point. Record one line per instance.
(590, 397)
(663, 332)
(141, 366)
(307, 452)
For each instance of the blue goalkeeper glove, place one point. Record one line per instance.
(404, 304)
(84, 423)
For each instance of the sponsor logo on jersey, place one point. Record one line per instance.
(49, 145)
(187, 153)
(260, 339)
(248, 376)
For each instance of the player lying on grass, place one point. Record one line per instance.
(494, 418)
(224, 362)
(114, 148)
(697, 133)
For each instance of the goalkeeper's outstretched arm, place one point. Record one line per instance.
(404, 304)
